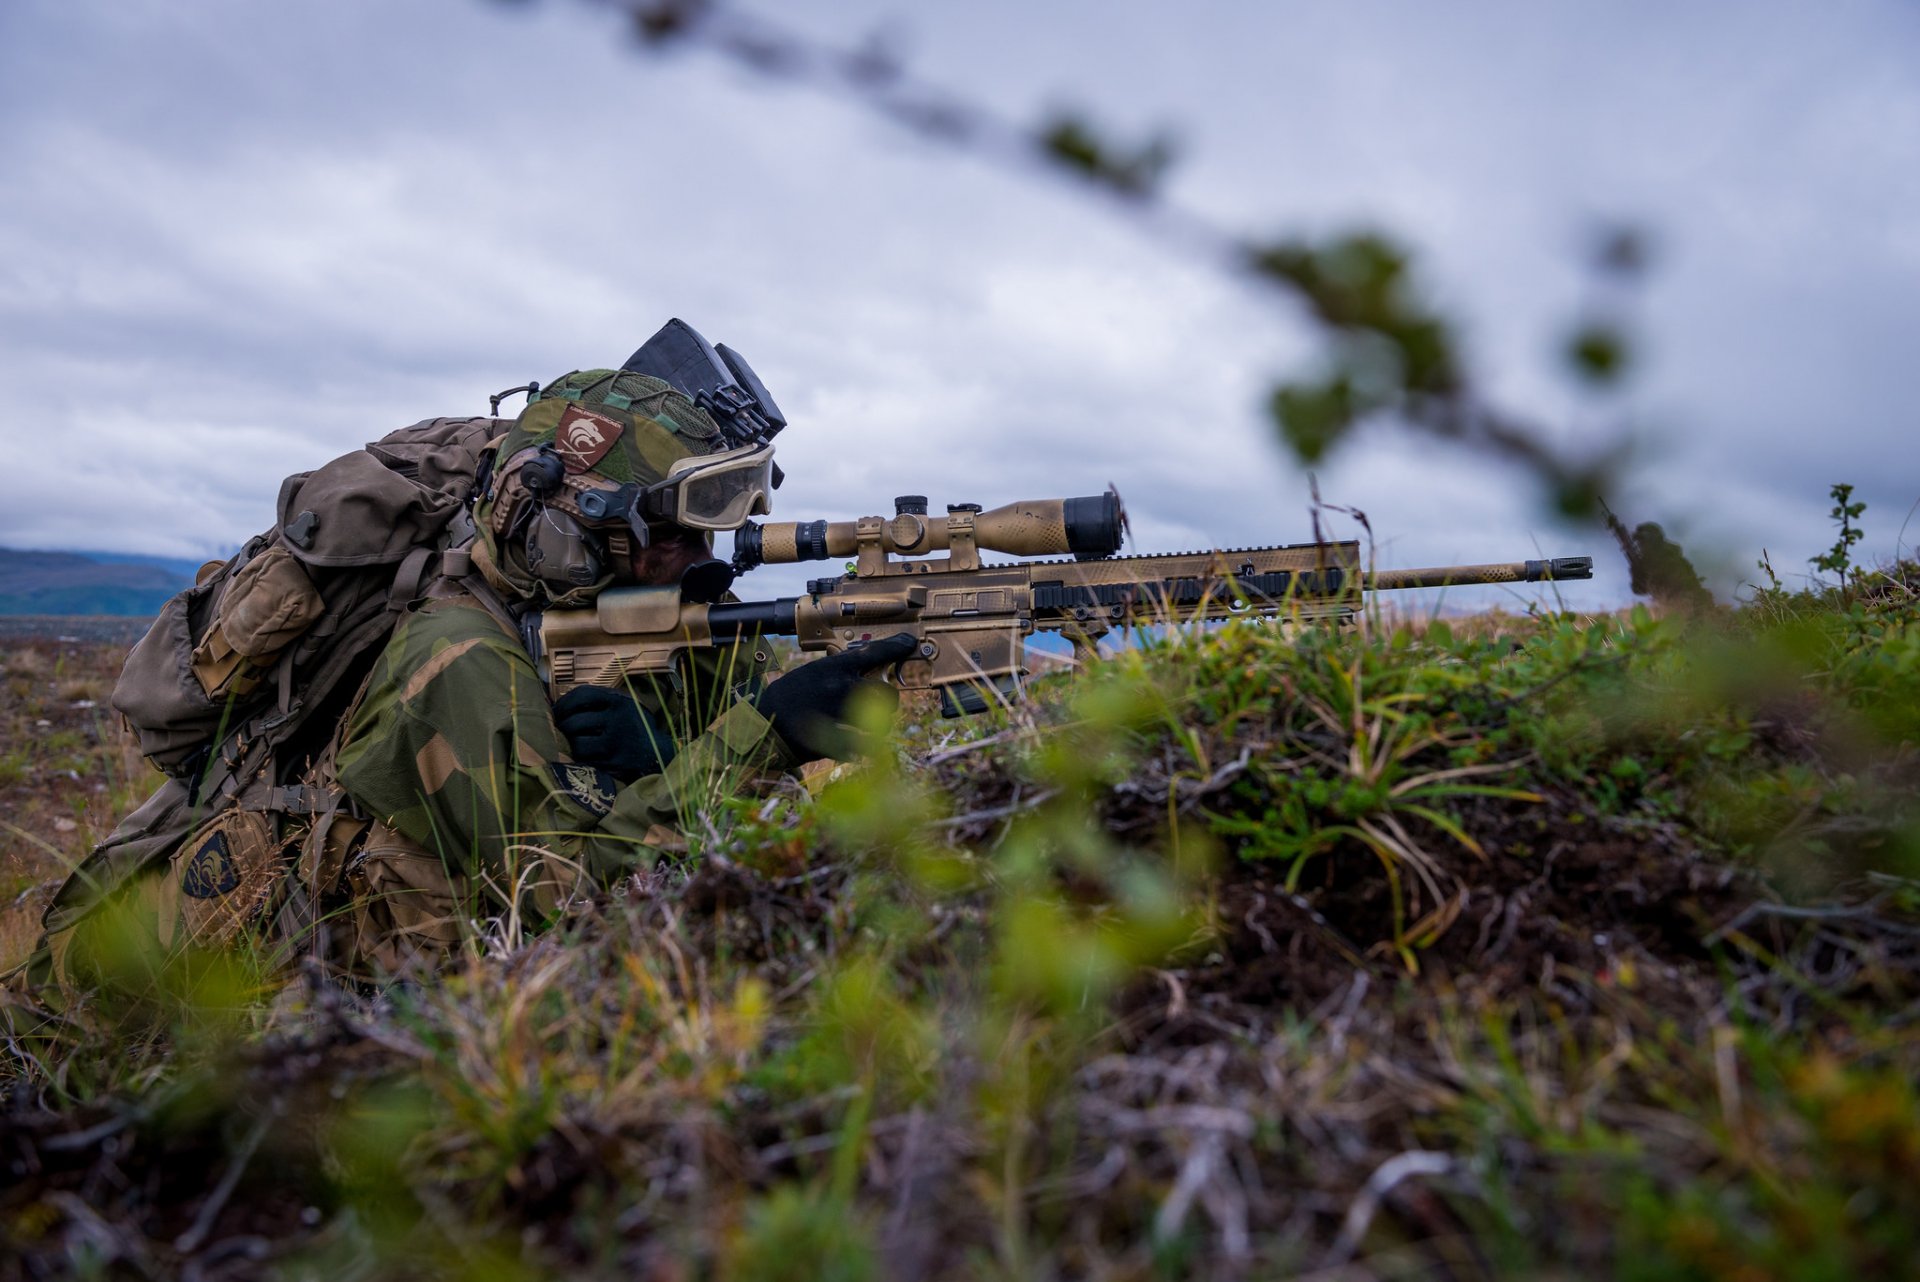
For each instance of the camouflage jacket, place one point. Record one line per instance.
(453, 745)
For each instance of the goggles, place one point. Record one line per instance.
(704, 492)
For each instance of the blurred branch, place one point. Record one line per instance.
(1391, 356)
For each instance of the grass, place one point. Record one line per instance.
(1494, 947)
(67, 773)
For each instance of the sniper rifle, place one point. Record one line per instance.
(970, 617)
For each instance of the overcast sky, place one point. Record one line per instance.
(239, 238)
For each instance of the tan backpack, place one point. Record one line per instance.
(241, 683)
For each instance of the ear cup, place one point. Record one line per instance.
(561, 552)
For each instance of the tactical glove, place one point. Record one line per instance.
(808, 706)
(611, 732)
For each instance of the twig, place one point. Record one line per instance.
(106, 1238)
(1865, 914)
(1176, 993)
(1188, 790)
(1338, 1026)
(190, 1241)
(1194, 1174)
(80, 1139)
(999, 812)
(1386, 1177)
(811, 874)
(909, 1157)
(974, 745)
(1176, 1117)
(1441, 404)
(1083, 1183)
(826, 1143)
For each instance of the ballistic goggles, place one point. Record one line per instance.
(703, 492)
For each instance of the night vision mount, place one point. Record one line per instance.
(716, 378)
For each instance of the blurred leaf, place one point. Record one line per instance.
(1314, 417)
(1622, 251)
(1577, 496)
(660, 22)
(1598, 354)
(1136, 172)
(803, 1234)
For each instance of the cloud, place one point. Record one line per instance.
(242, 238)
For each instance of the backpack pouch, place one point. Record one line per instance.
(407, 904)
(330, 844)
(357, 511)
(269, 603)
(160, 694)
(227, 877)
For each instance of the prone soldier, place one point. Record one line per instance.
(362, 757)
(454, 750)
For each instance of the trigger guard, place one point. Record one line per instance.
(912, 674)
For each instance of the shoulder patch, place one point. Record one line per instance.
(592, 790)
(583, 437)
(210, 873)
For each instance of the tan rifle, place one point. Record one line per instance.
(971, 618)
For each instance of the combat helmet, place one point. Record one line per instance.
(602, 463)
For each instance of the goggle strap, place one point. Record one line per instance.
(660, 502)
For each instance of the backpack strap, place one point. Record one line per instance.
(299, 799)
(482, 591)
(409, 578)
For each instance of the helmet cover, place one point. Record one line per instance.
(608, 428)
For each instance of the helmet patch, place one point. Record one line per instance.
(583, 437)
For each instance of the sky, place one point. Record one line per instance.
(238, 239)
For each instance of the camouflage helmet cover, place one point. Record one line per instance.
(611, 428)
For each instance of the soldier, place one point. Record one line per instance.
(453, 750)
(449, 789)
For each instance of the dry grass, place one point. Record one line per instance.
(68, 772)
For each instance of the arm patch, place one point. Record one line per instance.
(592, 790)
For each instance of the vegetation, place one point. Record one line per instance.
(67, 774)
(1495, 946)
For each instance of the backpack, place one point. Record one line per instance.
(241, 683)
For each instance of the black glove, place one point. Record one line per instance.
(611, 732)
(808, 706)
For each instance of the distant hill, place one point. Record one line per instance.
(185, 567)
(70, 583)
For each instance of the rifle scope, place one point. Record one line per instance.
(1089, 528)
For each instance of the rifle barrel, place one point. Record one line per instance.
(1559, 569)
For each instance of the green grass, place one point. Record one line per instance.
(1557, 945)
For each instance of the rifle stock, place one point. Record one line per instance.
(971, 619)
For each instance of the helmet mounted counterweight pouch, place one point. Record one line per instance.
(717, 379)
